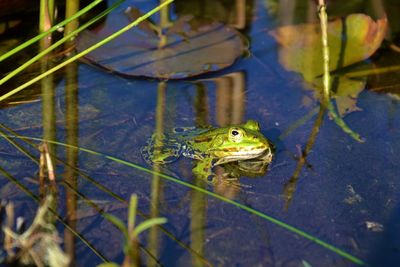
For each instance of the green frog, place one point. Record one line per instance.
(211, 147)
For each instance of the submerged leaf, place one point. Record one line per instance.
(187, 52)
(350, 40)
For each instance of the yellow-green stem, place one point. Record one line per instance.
(326, 78)
(87, 51)
(72, 7)
(52, 29)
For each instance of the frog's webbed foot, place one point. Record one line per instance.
(228, 180)
(211, 179)
(202, 170)
(224, 179)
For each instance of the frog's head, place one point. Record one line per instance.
(241, 142)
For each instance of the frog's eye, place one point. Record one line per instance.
(235, 134)
(252, 125)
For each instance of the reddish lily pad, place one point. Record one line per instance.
(187, 52)
(346, 93)
(350, 40)
(355, 40)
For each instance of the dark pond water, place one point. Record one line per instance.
(345, 193)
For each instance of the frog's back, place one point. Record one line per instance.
(171, 146)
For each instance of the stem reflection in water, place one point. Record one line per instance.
(156, 184)
(290, 186)
(198, 200)
(47, 84)
(229, 110)
(70, 174)
(48, 96)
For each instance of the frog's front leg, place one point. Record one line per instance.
(203, 170)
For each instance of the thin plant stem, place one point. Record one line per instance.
(52, 29)
(59, 42)
(290, 186)
(87, 51)
(248, 209)
(156, 183)
(325, 52)
(59, 218)
(72, 7)
(46, 15)
(101, 187)
(326, 77)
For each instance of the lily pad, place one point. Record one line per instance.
(350, 40)
(346, 94)
(186, 51)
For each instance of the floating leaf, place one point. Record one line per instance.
(347, 94)
(186, 52)
(352, 41)
(347, 91)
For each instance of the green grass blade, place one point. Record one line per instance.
(271, 219)
(36, 198)
(19, 148)
(59, 42)
(87, 51)
(340, 122)
(112, 194)
(118, 223)
(147, 224)
(52, 29)
(306, 264)
(132, 213)
(108, 264)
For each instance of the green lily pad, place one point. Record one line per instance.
(186, 51)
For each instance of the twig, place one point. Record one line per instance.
(42, 166)
(49, 164)
(325, 50)
(45, 161)
(8, 244)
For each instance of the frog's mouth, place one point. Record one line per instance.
(245, 154)
(234, 154)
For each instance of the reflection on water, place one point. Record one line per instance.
(72, 139)
(211, 146)
(157, 193)
(115, 115)
(290, 186)
(230, 97)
